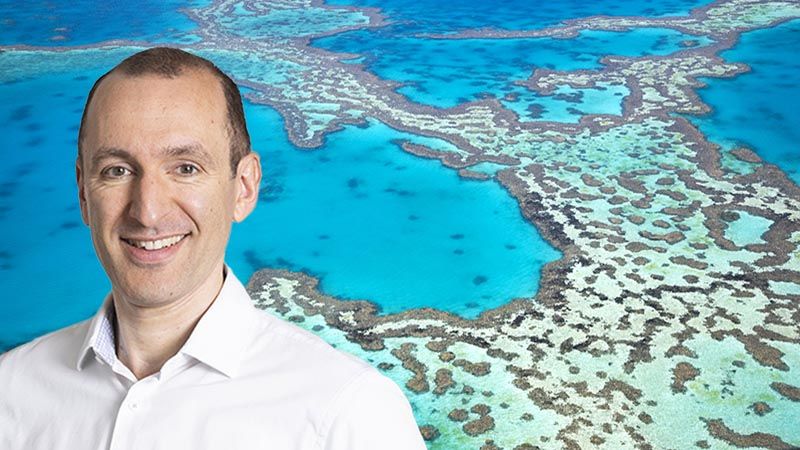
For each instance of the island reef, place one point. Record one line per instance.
(661, 326)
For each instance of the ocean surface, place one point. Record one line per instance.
(428, 16)
(651, 322)
(59, 23)
(49, 273)
(765, 98)
(370, 220)
(446, 73)
(374, 222)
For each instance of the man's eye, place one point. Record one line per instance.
(116, 172)
(187, 169)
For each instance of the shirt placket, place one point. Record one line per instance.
(132, 413)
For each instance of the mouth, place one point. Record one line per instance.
(156, 244)
(149, 253)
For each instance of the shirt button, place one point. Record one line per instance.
(134, 405)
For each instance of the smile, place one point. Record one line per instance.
(155, 244)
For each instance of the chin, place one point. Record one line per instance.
(151, 286)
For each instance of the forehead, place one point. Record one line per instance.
(145, 112)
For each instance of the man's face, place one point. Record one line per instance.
(155, 184)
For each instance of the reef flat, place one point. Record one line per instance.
(671, 320)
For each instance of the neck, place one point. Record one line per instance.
(148, 336)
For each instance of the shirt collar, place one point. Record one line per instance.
(224, 332)
(100, 336)
(218, 340)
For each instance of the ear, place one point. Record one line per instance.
(81, 192)
(248, 180)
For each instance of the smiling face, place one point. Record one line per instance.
(155, 185)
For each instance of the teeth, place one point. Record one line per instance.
(156, 245)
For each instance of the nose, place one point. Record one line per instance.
(150, 200)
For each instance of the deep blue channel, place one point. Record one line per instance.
(435, 16)
(449, 72)
(765, 98)
(81, 22)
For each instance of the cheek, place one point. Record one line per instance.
(104, 207)
(197, 204)
(208, 206)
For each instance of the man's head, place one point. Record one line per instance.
(170, 63)
(157, 147)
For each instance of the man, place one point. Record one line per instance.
(177, 357)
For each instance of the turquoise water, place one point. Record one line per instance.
(377, 223)
(446, 73)
(747, 229)
(371, 220)
(367, 218)
(766, 98)
(567, 104)
(48, 273)
(290, 23)
(91, 21)
(430, 16)
(785, 287)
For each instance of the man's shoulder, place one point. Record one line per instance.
(57, 348)
(302, 348)
(353, 405)
(299, 362)
(330, 381)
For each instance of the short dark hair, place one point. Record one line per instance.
(170, 63)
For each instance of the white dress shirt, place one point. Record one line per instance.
(244, 379)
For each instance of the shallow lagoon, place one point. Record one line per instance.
(377, 223)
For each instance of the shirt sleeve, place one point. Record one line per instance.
(373, 414)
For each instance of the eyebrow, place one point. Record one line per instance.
(191, 150)
(176, 151)
(109, 152)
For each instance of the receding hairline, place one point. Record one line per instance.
(116, 75)
(207, 77)
(172, 63)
